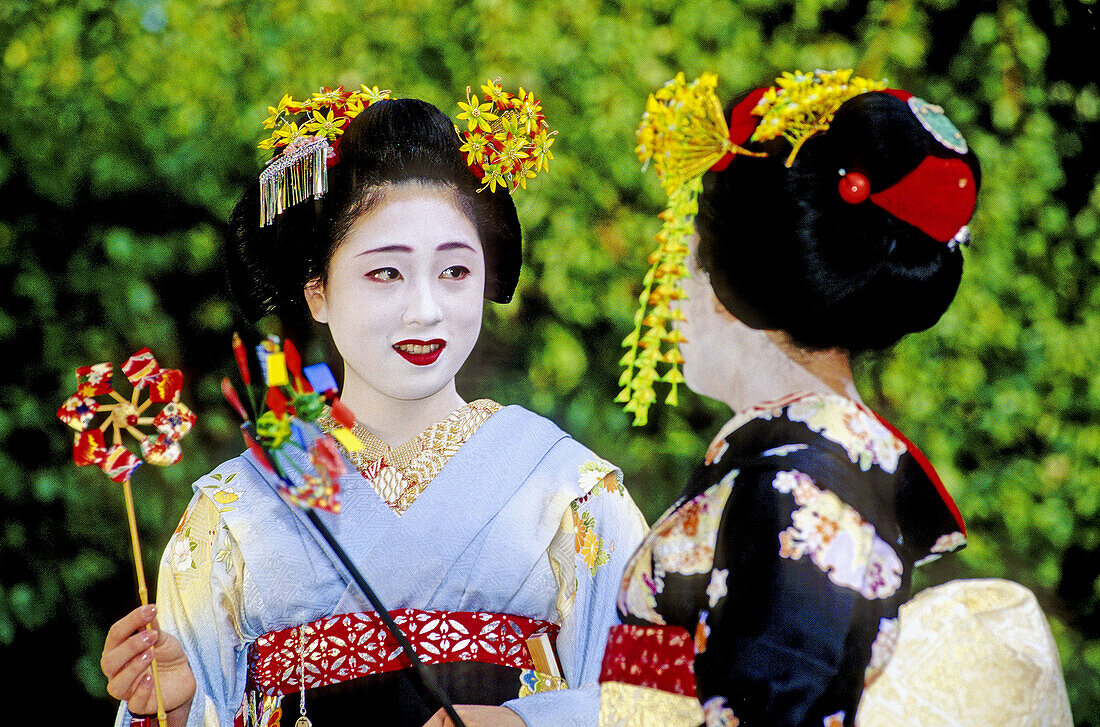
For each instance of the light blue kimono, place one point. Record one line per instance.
(481, 537)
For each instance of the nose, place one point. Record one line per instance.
(422, 308)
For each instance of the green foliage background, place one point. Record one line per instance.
(128, 127)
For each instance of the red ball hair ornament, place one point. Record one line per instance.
(854, 187)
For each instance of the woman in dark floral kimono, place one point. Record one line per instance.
(769, 593)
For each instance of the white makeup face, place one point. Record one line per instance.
(719, 346)
(404, 295)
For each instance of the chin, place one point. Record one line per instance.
(692, 381)
(704, 380)
(416, 391)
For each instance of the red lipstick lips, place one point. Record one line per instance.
(421, 353)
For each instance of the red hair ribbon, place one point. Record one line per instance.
(742, 124)
(938, 197)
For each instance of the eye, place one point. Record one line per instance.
(384, 275)
(455, 272)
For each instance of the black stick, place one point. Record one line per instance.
(421, 670)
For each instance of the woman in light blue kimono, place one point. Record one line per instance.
(489, 531)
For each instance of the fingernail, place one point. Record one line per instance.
(151, 610)
(149, 636)
(147, 656)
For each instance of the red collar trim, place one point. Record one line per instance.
(929, 470)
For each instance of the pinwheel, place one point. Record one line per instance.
(159, 447)
(294, 396)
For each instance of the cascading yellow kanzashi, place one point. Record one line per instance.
(683, 132)
(656, 344)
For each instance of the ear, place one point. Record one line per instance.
(315, 298)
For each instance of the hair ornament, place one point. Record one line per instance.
(684, 133)
(935, 121)
(506, 140)
(854, 187)
(961, 238)
(801, 105)
(308, 135)
(937, 197)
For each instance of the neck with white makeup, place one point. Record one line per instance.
(396, 421)
(746, 366)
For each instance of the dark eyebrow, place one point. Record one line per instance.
(405, 248)
(386, 248)
(455, 246)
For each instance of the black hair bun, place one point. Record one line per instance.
(785, 251)
(391, 142)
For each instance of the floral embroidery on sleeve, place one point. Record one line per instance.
(842, 421)
(784, 449)
(182, 549)
(716, 589)
(839, 542)
(595, 472)
(576, 540)
(592, 548)
(193, 540)
(717, 713)
(702, 632)
(638, 595)
(944, 544)
(596, 476)
(203, 552)
(686, 545)
(226, 552)
(715, 451)
(222, 493)
(681, 542)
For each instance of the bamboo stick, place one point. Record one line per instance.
(143, 592)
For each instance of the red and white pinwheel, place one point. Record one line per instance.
(160, 447)
(169, 425)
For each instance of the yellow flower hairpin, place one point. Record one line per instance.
(308, 132)
(506, 140)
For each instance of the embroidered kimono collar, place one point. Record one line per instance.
(399, 474)
(925, 509)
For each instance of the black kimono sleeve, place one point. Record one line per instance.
(791, 631)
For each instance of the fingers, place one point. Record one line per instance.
(127, 650)
(115, 660)
(128, 624)
(131, 676)
(439, 719)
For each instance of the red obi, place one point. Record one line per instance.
(660, 657)
(351, 645)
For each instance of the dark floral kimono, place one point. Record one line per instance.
(768, 594)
